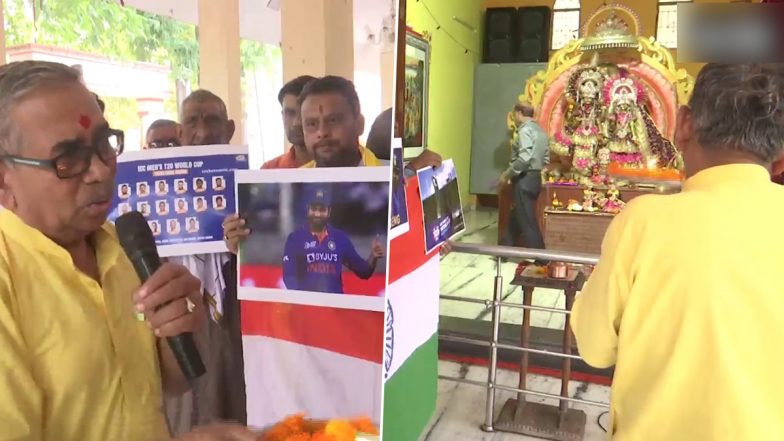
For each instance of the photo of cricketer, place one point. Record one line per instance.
(314, 255)
(314, 237)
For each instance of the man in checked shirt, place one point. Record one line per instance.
(314, 255)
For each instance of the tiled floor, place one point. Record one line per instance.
(472, 276)
(461, 407)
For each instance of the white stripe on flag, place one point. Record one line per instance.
(284, 378)
(413, 305)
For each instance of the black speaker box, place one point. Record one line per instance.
(500, 35)
(533, 34)
(517, 35)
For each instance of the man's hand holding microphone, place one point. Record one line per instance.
(171, 300)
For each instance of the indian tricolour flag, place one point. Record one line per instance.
(334, 363)
(320, 361)
(411, 337)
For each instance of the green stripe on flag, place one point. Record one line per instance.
(410, 394)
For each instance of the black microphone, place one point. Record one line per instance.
(139, 244)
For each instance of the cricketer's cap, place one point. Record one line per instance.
(319, 195)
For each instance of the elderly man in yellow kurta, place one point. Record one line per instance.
(75, 362)
(687, 299)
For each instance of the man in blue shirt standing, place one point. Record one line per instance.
(315, 254)
(530, 153)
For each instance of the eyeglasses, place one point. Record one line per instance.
(161, 144)
(76, 158)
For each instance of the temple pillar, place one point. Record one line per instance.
(220, 70)
(317, 38)
(388, 78)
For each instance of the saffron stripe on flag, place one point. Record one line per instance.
(354, 333)
(407, 252)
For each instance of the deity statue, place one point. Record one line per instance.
(613, 204)
(603, 160)
(580, 136)
(624, 124)
(592, 200)
(633, 139)
(599, 98)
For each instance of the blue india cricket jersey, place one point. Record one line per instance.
(310, 264)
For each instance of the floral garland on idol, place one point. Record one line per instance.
(298, 428)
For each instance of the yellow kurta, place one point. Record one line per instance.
(687, 302)
(75, 364)
(369, 159)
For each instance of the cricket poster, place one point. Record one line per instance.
(441, 204)
(398, 222)
(183, 192)
(318, 236)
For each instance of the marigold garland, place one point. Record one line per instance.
(297, 428)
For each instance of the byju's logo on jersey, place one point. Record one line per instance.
(321, 257)
(331, 245)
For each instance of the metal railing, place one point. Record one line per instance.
(491, 385)
(524, 253)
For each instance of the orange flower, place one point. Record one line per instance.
(298, 428)
(312, 426)
(278, 433)
(364, 425)
(341, 430)
(294, 422)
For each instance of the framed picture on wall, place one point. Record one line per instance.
(417, 76)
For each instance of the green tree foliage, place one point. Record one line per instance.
(122, 33)
(122, 113)
(107, 28)
(255, 56)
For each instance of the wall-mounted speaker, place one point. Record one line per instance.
(515, 35)
(533, 32)
(500, 35)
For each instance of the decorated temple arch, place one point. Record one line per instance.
(609, 99)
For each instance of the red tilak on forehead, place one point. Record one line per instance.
(85, 121)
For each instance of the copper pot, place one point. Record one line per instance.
(587, 270)
(557, 270)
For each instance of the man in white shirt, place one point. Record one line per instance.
(221, 394)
